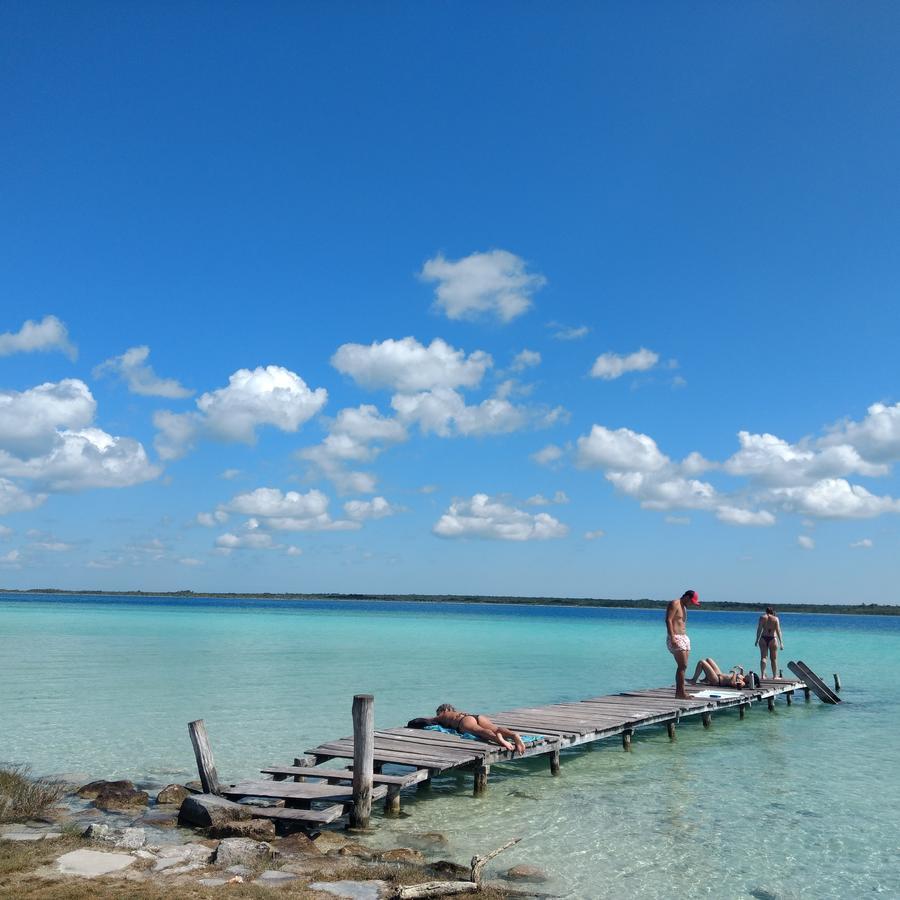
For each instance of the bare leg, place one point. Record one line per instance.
(509, 733)
(486, 734)
(697, 671)
(773, 655)
(762, 659)
(681, 661)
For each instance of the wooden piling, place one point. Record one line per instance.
(554, 762)
(789, 696)
(742, 709)
(771, 703)
(837, 682)
(626, 738)
(392, 800)
(670, 727)
(363, 759)
(481, 779)
(807, 694)
(206, 766)
(707, 719)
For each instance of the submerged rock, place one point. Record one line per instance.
(402, 855)
(428, 840)
(528, 873)
(172, 793)
(113, 794)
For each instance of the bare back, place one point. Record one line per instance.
(675, 617)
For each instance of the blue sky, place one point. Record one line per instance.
(469, 298)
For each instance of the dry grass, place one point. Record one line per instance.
(23, 798)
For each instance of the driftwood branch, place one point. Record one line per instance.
(449, 888)
(479, 862)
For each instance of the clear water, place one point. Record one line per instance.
(802, 802)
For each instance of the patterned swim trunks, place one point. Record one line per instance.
(678, 642)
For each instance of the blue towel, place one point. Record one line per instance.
(526, 738)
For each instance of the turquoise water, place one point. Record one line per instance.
(802, 802)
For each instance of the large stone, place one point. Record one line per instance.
(96, 831)
(91, 863)
(274, 878)
(402, 855)
(527, 873)
(208, 810)
(27, 833)
(172, 793)
(132, 839)
(242, 851)
(356, 851)
(113, 794)
(170, 859)
(331, 840)
(451, 871)
(352, 890)
(258, 829)
(298, 844)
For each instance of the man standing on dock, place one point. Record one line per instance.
(677, 641)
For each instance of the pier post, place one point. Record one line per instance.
(789, 696)
(806, 694)
(392, 800)
(771, 704)
(363, 759)
(781, 673)
(742, 709)
(707, 719)
(481, 779)
(626, 738)
(837, 682)
(206, 766)
(670, 727)
(554, 762)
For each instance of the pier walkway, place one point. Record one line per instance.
(309, 793)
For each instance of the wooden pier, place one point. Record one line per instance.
(308, 793)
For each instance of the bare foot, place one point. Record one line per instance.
(682, 697)
(505, 744)
(520, 747)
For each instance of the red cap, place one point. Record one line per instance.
(693, 597)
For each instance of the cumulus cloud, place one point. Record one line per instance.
(526, 359)
(594, 535)
(833, 498)
(14, 499)
(48, 334)
(376, 508)
(734, 515)
(541, 500)
(445, 412)
(406, 365)
(621, 449)
(272, 510)
(252, 540)
(212, 519)
(270, 395)
(547, 455)
(612, 365)
(806, 542)
(484, 517)
(132, 367)
(568, 333)
(496, 283)
(864, 543)
(876, 437)
(10, 560)
(657, 491)
(30, 420)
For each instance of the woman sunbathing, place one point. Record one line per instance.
(472, 723)
(714, 676)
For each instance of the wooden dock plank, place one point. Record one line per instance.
(346, 774)
(311, 816)
(822, 691)
(295, 790)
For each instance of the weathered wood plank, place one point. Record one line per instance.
(819, 688)
(347, 774)
(292, 790)
(315, 816)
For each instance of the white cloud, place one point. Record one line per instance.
(622, 449)
(14, 499)
(834, 498)
(10, 560)
(734, 515)
(5, 530)
(30, 420)
(253, 540)
(865, 543)
(132, 367)
(677, 520)
(444, 412)
(48, 334)
(294, 551)
(594, 535)
(230, 474)
(78, 460)
(656, 491)
(484, 517)
(272, 510)
(612, 365)
(771, 460)
(407, 366)
(526, 359)
(212, 519)
(806, 542)
(376, 508)
(547, 455)
(568, 333)
(428, 489)
(270, 395)
(877, 437)
(51, 546)
(495, 283)
(541, 500)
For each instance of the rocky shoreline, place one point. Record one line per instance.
(177, 839)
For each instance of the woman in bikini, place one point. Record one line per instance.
(479, 725)
(768, 638)
(714, 676)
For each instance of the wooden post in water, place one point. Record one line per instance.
(707, 719)
(670, 728)
(554, 762)
(806, 693)
(837, 682)
(742, 709)
(392, 800)
(206, 765)
(789, 696)
(771, 703)
(781, 673)
(627, 734)
(363, 759)
(481, 779)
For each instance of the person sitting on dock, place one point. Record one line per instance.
(768, 637)
(677, 641)
(476, 724)
(714, 676)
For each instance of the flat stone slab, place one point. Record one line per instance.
(212, 882)
(29, 834)
(273, 878)
(92, 863)
(352, 890)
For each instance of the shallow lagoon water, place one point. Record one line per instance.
(802, 802)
